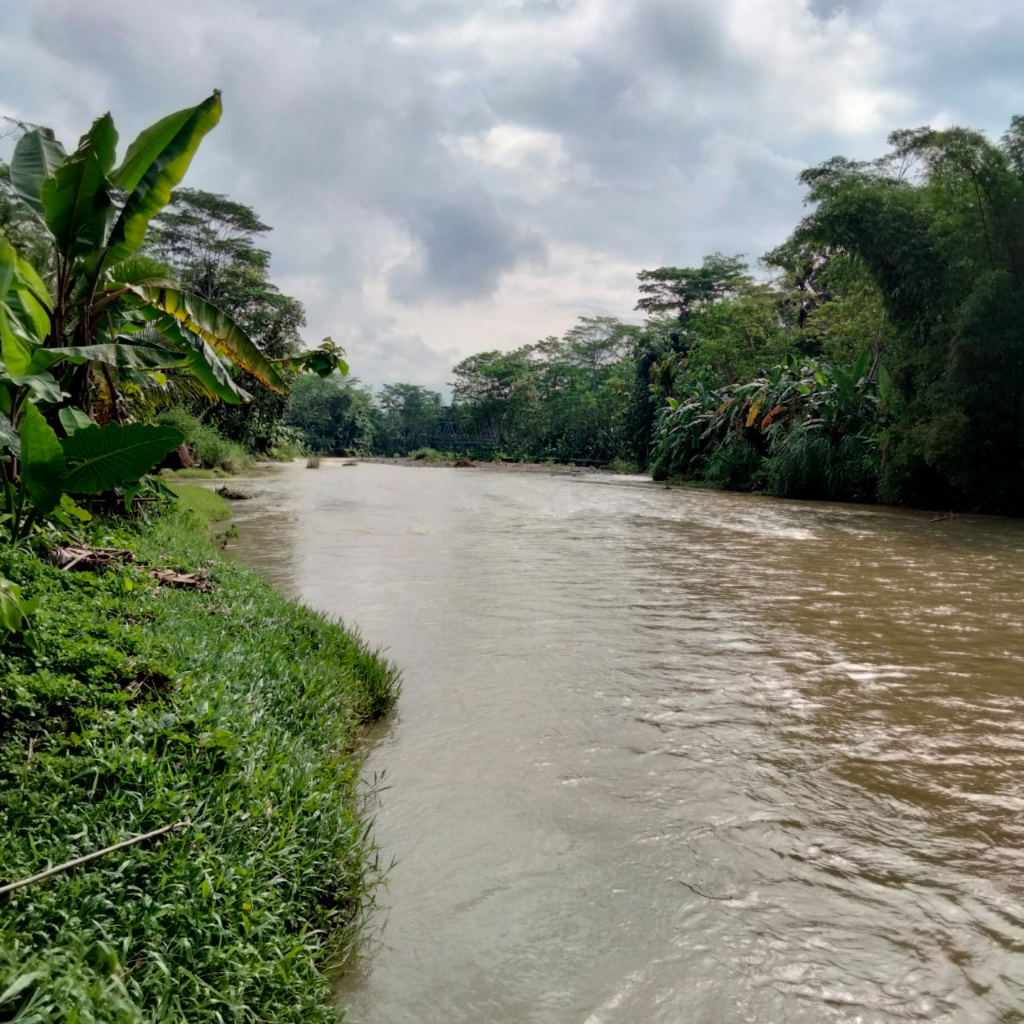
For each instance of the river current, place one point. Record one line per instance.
(674, 756)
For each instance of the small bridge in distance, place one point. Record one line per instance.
(451, 436)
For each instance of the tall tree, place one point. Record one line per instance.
(685, 291)
(408, 415)
(944, 247)
(334, 413)
(213, 244)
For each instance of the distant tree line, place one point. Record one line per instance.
(876, 355)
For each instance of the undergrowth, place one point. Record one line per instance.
(135, 707)
(208, 445)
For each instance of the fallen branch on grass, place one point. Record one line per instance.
(79, 861)
(172, 578)
(89, 559)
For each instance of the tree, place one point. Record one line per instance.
(96, 304)
(407, 416)
(945, 250)
(212, 244)
(687, 290)
(100, 290)
(333, 413)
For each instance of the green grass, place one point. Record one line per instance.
(203, 502)
(194, 474)
(135, 708)
(430, 455)
(209, 446)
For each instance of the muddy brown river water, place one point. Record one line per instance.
(675, 757)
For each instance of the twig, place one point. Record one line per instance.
(78, 861)
(75, 561)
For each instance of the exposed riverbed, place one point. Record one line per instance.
(675, 756)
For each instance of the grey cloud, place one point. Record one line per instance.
(464, 248)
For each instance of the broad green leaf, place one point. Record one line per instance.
(29, 299)
(8, 258)
(43, 469)
(8, 435)
(884, 383)
(73, 510)
(42, 385)
(155, 162)
(29, 316)
(102, 458)
(36, 157)
(76, 200)
(17, 353)
(123, 355)
(72, 419)
(861, 366)
(214, 326)
(14, 613)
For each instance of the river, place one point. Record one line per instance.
(675, 756)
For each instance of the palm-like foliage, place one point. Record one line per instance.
(788, 430)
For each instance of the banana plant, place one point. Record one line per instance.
(799, 394)
(105, 303)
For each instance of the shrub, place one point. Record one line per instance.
(211, 449)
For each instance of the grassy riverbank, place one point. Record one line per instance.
(135, 708)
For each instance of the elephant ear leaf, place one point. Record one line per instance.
(102, 458)
(155, 162)
(43, 467)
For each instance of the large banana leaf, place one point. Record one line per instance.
(43, 470)
(155, 162)
(213, 325)
(76, 199)
(36, 157)
(7, 261)
(28, 299)
(101, 458)
(202, 361)
(124, 355)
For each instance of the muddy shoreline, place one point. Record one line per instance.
(554, 468)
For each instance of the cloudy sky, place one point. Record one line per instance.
(447, 176)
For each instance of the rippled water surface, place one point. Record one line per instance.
(675, 756)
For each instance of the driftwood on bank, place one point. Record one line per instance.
(199, 580)
(86, 559)
(231, 494)
(82, 559)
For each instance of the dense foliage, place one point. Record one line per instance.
(878, 356)
(95, 333)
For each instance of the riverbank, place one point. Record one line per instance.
(559, 468)
(134, 706)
